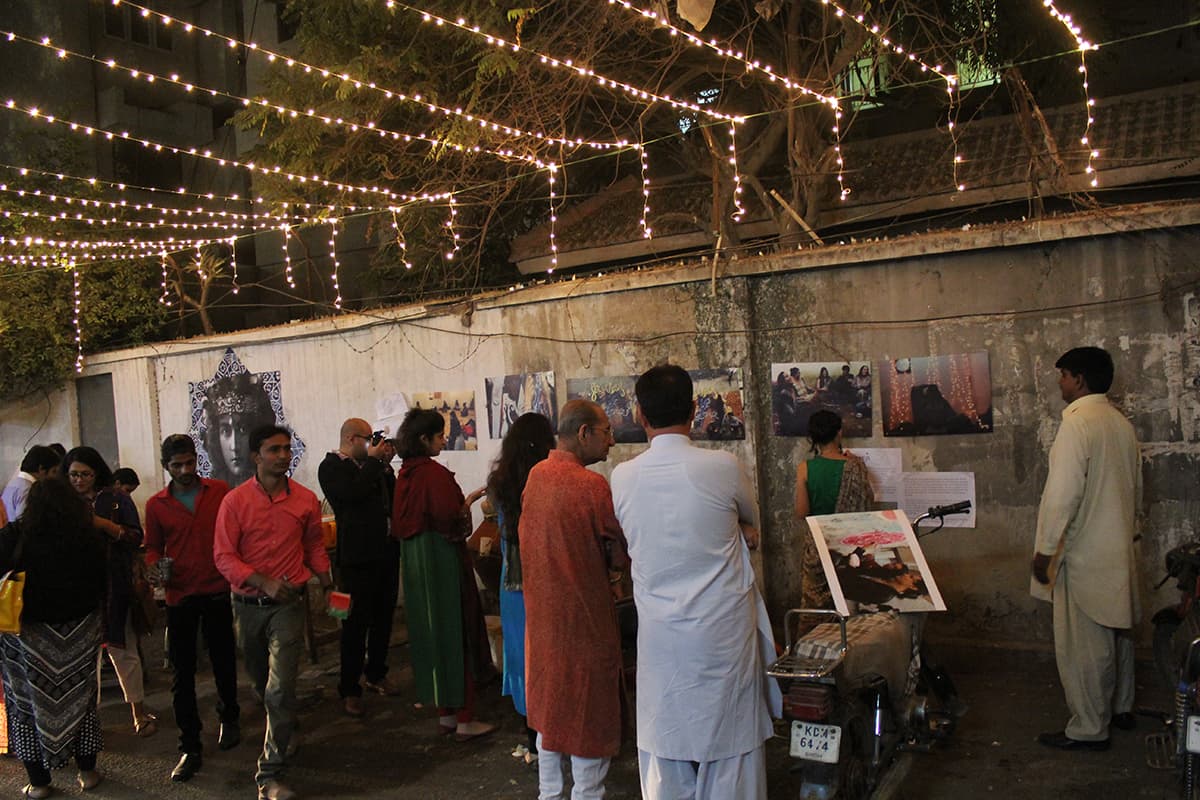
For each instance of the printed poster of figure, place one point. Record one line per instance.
(226, 408)
(510, 396)
(872, 558)
(800, 389)
(720, 408)
(615, 395)
(458, 409)
(936, 395)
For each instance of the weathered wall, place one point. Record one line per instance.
(1024, 304)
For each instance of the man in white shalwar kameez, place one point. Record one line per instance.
(704, 701)
(1087, 520)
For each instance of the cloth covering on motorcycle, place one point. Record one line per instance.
(876, 644)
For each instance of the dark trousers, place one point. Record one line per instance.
(367, 633)
(40, 776)
(212, 614)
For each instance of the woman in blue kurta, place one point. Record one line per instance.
(529, 440)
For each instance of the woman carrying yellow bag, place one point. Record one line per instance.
(63, 558)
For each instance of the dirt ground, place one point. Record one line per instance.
(395, 752)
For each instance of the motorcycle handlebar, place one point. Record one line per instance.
(957, 508)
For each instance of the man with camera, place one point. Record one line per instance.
(358, 483)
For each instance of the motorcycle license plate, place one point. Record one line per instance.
(816, 742)
(1193, 734)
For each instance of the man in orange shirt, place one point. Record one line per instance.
(268, 544)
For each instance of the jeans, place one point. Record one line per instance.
(368, 630)
(272, 640)
(212, 614)
(588, 775)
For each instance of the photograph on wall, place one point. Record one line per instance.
(510, 396)
(798, 390)
(458, 409)
(225, 409)
(872, 558)
(936, 395)
(720, 406)
(615, 395)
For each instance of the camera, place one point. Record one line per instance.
(377, 437)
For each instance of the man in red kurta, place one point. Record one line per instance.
(569, 539)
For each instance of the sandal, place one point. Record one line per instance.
(520, 751)
(36, 792)
(146, 725)
(89, 780)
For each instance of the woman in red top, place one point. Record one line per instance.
(432, 520)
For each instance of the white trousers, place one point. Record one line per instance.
(1095, 665)
(587, 774)
(743, 777)
(128, 665)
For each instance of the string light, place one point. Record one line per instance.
(287, 259)
(637, 93)
(738, 210)
(1089, 102)
(646, 232)
(282, 110)
(400, 241)
(950, 80)
(200, 263)
(106, 222)
(34, 113)
(337, 289)
(233, 262)
(78, 324)
(163, 299)
(80, 244)
(180, 192)
(553, 223)
(453, 231)
(293, 63)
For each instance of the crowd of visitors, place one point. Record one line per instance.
(680, 521)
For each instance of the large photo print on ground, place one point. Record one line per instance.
(872, 558)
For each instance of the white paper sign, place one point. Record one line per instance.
(923, 490)
(884, 467)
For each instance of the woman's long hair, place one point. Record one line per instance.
(528, 441)
(54, 510)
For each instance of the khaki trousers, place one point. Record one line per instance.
(1095, 666)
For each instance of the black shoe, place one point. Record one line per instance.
(229, 735)
(1061, 741)
(189, 765)
(1126, 721)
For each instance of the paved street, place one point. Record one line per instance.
(394, 751)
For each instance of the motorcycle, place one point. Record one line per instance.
(859, 693)
(1177, 659)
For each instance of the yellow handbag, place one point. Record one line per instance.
(12, 590)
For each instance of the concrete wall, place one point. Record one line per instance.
(1024, 303)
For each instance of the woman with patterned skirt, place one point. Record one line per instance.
(49, 670)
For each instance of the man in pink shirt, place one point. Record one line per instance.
(180, 523)
(268, 545)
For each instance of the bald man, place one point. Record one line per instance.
(358, 481)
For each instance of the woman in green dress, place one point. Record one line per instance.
(833, 481)
(432, 520)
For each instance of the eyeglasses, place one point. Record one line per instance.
(606, 431)
(354, 436)
(81, 475)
